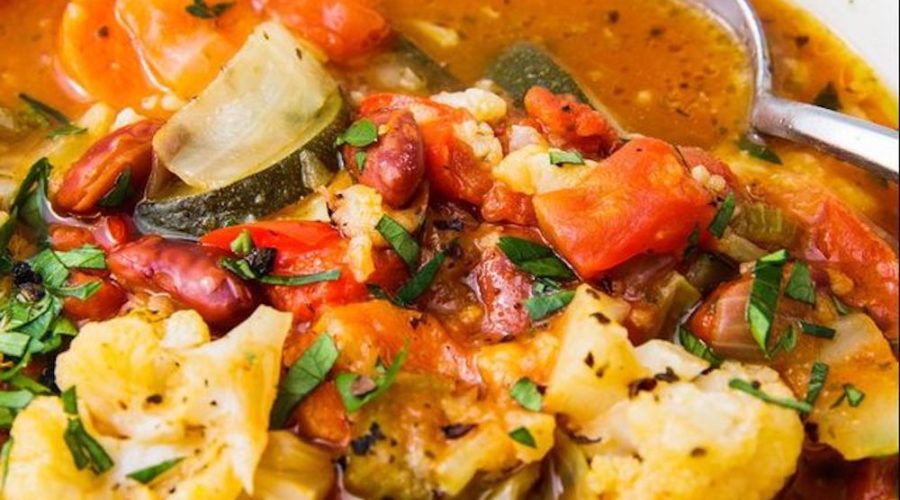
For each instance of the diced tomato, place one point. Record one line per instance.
(874, 479)
(65, 238)
(281, 235)
(641, 199)
(502, 204)
(701, 157)
(344, 29)
(104, 304)
(722, 321)
(322, 418)
(109, 232)
(570, 124)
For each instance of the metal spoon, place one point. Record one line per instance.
(870, 146)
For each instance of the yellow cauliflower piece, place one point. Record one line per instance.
(484, 105)
(151, 392)
(528, 170)
(291, 468)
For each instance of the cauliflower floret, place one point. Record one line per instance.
(484, 105)
(154, 391)
(521, 136)
(529, 171)
(480, 137)
(687, 440)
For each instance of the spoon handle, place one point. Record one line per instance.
(872, 147)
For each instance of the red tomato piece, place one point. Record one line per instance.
(502, 204)
(641, 199)
(280, 235)
(104, 304)
(344, 29)
(322, 418)
(569, 124)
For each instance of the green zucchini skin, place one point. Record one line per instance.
(265, 192)
(525, 65)
(436, 76)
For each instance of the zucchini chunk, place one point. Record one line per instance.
(259, 138)
(525, 65)
(436, 75)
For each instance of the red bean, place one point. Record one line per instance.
(95, 174)
(189, 273)
(502, 289)
(395, 165)
(104, 304)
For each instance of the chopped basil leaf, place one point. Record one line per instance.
(4, 458)
(542, 306)
(693, 242)
(854, 396)
(758, 151)
(525, 392)
(534, 258)
(344, 383)
(817, 378)
(240, 267)
(120, 191)
(148, 474)
(787, 343)
(841, 308)
(767, 277)
(85, 450)
(523, 436)
(751, 389)
(400, 240)
(360, 158)
(86, 257)
(302, 280)
(559, 157)
(46, 111)
(544, 286)
(70, 401)
(243, 244)
(828, 98)
(800, 286)
(83, 291)
(361, 134)
(51, 269)
(696, 346)
(303, 377)
(30, 385)
(13, 343)
(822, 332)
(15, 399)
(67, 129)
(723, 216)
(419, 283)
(204, 11)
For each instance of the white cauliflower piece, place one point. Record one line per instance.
(154, 391)
(703, 439)
(484, 105)
(480, 137)
(529, 171)
(521, 136)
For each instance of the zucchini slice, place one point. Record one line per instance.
(525, 65)
(436, 75)
(259, 138)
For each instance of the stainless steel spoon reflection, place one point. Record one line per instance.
(870, 146)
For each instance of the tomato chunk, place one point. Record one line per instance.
(344, 29)
(570, 124)
(641, 199)
(100, 306)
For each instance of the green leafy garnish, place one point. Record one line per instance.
(4, 458)
(242, 244)
(205, 11)
(828, 98)
(758, 151)
(360, 158)
(345, 382)
(303, 377)
(49, 114)
(361, 134)
(787, 343)
(723, 216)
(560, 157)
(301, 280)
(817, 378)
(120, 191)
(400, 240)
(841, 308)
(419, 283)
(523, 436)
(85, 450)
(542, 306)
(526, 393)
(534, 258)
(15, 399)
(822, 332)
(86, 257)
(696, 346)
(148, 474)
(800, 286)
(852, 395)
(67, 129)
(13, 343)
(753, 390)
(767, 277)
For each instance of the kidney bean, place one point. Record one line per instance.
(109, 232)
(104, 304)
(189, 273)
(395, 165)
(95, 174)
(502, 289)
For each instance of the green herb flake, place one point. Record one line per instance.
(360, 158)
(817, 378)
(20, 381)
(70, 401)
(85, 450)
(800, 285)
(535, 259)
(559, 157)
(764, 294)
(400, 240)
(148, 474)
(420, 282)
(361, 134)
(854, 396)
(822, 332)
(353, 402)
(13, 343)
(301, 280)
(523, 436)
(841, 308)
(303, 377)
(86, 257)
(46, 111)
(696, 346)
(83, 291)
(15, 399)
(243, 244)
(542, 306)
(526, 393)
(65, 130)
(787, 343)
(723, 216)
(828, 98)
(120, 191)
(202, 10)
(758, 151)
(751, 389)
(4, 458)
